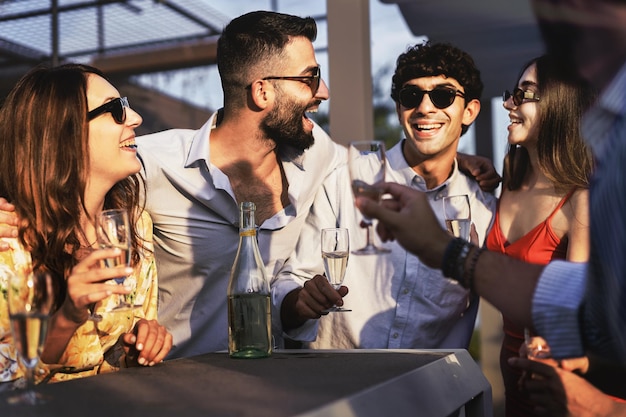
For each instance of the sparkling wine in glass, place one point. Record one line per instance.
(366, 163)
(456, 209)
(30, 301)
(113, 231)
(335, 253)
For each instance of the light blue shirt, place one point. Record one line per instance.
(396, 301)
(196, 233)
(595, 293)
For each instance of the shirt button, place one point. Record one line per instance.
(395, 335)
(405, 291)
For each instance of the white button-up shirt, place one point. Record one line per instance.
(196, 232)
(396, 301)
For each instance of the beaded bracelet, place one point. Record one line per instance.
(469, 272)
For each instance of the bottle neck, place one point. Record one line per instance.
(247, 225)
(247, 232)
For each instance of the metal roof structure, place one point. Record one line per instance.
(132, 37)
(121, 37)
(98, 31)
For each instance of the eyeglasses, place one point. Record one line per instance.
(519, 96)
(412, 96)
(117, 108)
(313, 81)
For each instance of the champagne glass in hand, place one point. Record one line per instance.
(335, 252)
(30, 301)
(366, 162)
(536, 347)
(113, 230)
(456, 209)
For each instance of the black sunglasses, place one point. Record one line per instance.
(313, 81)
(412, 96)
(117, 108)
(519, 96)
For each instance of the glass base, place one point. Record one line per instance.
(370, 250)
(336, 310)
(250, 354)
(28, 397)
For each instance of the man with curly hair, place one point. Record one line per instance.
(396, 301)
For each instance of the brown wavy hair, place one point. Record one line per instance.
(44, 165)
(563, 155)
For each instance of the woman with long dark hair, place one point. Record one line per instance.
(543, 209)
(67, 152)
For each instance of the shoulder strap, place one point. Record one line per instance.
(561, 203)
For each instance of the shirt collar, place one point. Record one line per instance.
(398, 164)
(200, 149)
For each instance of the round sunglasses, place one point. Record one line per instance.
(117, 108)
(520, 96)
(412, 96)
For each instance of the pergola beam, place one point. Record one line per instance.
(164, 58)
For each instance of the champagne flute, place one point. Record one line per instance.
(30, 301)
(366, 162)
(113, 231)
(456, 209)
(335, 253)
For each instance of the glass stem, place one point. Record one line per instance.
(370, 239)
(30, 378)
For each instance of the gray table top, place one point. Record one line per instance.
(288, 383)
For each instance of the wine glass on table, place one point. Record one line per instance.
(113, 231)
(335, 253)
(456, 209)
(366, 163)
(30, 301)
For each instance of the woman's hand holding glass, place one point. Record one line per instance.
(89, 282)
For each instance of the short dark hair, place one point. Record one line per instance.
(254, 42)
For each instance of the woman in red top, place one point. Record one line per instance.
(543, 209)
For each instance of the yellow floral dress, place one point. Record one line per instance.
(94, 347)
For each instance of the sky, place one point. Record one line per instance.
(390, 36)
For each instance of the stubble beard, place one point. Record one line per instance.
(284, 126)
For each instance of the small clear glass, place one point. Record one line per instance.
(335, 253)
(113, 231)
(457, 214)
(30, 301)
